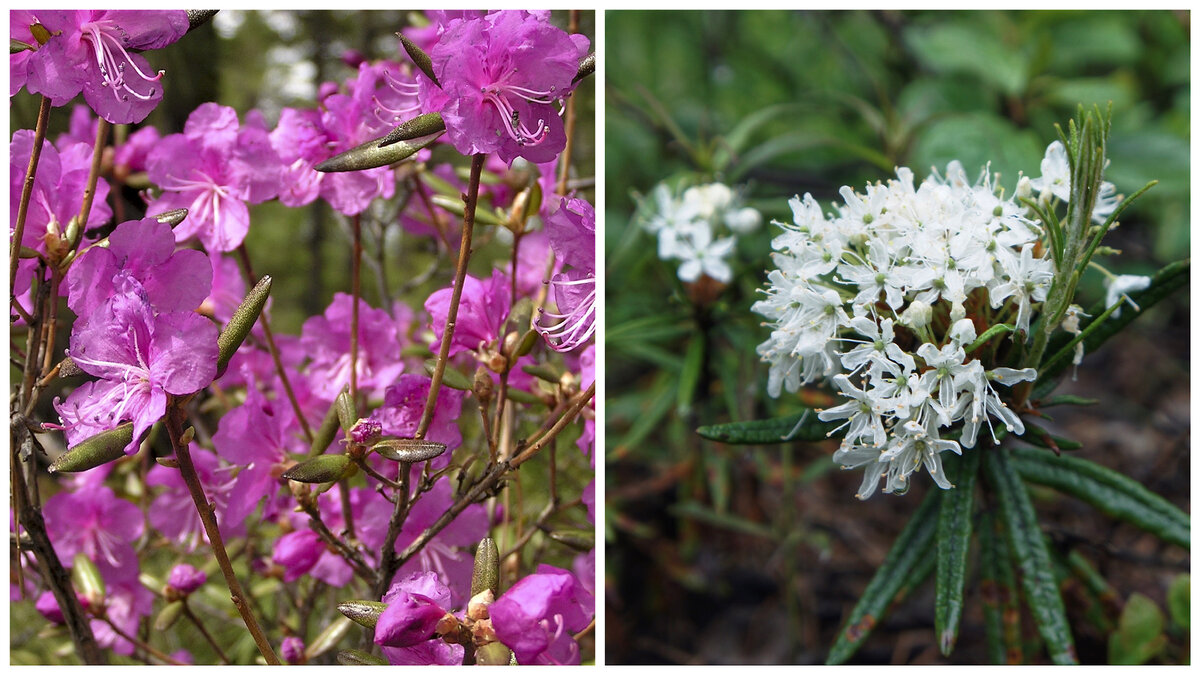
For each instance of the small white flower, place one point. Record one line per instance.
(1118, 287)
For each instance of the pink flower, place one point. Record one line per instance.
(414, 607)
(213, 169)
(502, 74)
(482, 311)
(326, 339)
(91, 52)
(538, 616)
(572, 232)
(186, 579)
(141, 358)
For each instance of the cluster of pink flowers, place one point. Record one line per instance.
(151, 294)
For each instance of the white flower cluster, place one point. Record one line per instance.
(886, 295)
(690, 226)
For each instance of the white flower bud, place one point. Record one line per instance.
(917, 315)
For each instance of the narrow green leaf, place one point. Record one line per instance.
(953, 543)
(989, 334)
(1066, 399)
(1179, 601)
(1024, 535)
(1164, 282)
(689, 377)
(991, 591)
(802, 427)
(328, 638)
(1112, 493)
(703, 514)
(914, 544)
(450, 377)
(325, 433)
(1035, 435)
(455, 205)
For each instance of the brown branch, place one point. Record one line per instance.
(39, 139)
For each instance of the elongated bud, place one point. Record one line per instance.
(486, 575)
(198, 17)
(450, 377)
(586, 67)
(357, 657)
(362, 612)
(483, 388)
(168, 616)
(323, 469)
(421, 125)
(325, 433)
(370, 155)
(243, 320)
(172, 217)
(408, 450)
(87, 580)
(102, 448)
(580, 540)
(419, 58)
(347, 411)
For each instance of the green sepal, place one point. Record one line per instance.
(421, 125)
(777, 430)
(408, 450)
(1024, 536)
(912, 546)
(370, 155)
(362, 612)
(450, 377)
(239, 325)
(486, 574)
(323, 469)
(104, 447)
(419, 58)
(1110, 492)
(357, 657)
(953, 542)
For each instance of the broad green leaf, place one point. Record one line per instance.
(1024, 535)
(1139, 635)
(953, 543)
(802, 427)
(913, 545)
(971, 48)
(1108, 491)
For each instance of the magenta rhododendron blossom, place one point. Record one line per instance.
(141, 358)
(539, 615)
(292, 650)
(95, 523)
(349, 121)
(172, 512)
(301, 142)
(326, 339)
(482, 311)
(145, 251)
(297, 553)
(131, 155)
(572, 232)
(502, 74)
(94, 51)
(404, 403)
(186, 579)
(213, 169)
(414, 607)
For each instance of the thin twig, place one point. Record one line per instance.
(460, 274)
(355, 292)
(154, 653)
(39, 138)
(174, 421)
(187, 611)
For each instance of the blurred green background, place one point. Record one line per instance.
(728, 554)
